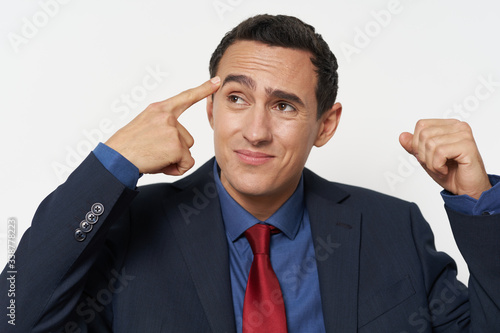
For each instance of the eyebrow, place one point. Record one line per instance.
(276, 93)
(280, 94)
(241, 79)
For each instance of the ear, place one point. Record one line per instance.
(210, 110)
(328, 124)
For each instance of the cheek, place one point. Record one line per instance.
(225, 125)
(295, 136)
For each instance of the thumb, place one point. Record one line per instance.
(405, 139)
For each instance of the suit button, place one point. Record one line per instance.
(85, 226)
(91, 218)
(97, 208)
(80, 235)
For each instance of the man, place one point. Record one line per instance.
(101, 256)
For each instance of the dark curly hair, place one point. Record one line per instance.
(289, 32)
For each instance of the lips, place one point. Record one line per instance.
(253, 157)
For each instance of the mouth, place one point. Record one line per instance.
(253, 157)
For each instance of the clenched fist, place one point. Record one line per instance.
(447, 151)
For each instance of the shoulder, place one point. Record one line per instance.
(380, 213)
(350, 195)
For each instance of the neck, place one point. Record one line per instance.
(262, 207)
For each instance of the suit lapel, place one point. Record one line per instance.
(197, 223)
(336, 237)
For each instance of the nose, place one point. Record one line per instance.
(257, 126)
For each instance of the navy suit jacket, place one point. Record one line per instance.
(157, 261)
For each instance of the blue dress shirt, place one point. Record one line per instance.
(119, 166)
(292, 258)
(488, 203)
(292, 250)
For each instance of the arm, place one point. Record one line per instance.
(477, 238)
(447, 151)
(57, 253)
(51, 263)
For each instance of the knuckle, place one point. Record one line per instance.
(440, 152)
(464, 127)
(420, 124)
(430, 144)
(170, 120)
(424, 135)
(188, 95)
(167, 105)
(154, 107)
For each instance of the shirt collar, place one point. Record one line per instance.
(236, 219)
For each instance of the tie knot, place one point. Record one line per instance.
(259, 237)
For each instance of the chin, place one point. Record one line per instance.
(251, 185)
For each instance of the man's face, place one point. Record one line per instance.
(264, 119)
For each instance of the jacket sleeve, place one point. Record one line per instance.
(55, 255)
(478, 239)
(447, 306)
(451, 306)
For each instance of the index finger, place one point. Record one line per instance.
(181, 102)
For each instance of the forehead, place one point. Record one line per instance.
(271, 66)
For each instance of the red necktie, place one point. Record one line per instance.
(263, 308)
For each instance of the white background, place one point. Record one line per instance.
(67, 65)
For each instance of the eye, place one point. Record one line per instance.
(235, 99)
(284, 107)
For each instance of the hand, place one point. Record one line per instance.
(447, 151)
(154, 141)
